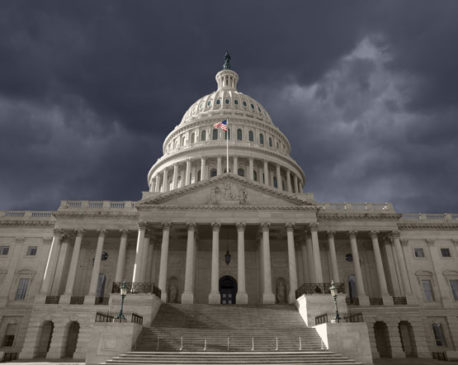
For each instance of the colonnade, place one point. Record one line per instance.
(310, 257)
(194, 170)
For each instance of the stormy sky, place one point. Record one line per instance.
(366, 92)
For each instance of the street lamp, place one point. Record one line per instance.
(333, 291)
(123, 291)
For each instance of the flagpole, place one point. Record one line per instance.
(227, 147)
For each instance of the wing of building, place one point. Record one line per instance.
(223, 232)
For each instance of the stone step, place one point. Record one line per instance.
(310, 358)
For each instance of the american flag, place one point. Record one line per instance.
(222, 125)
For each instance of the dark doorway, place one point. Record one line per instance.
(44, 339)
(407, 339)
(227, 289)
(72, 339)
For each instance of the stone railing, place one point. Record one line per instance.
(97, 204)
(135, 288)
(113, 317)
(357, 207)
(25, 214)
(344, 317)
(421, 217)
(318, 288)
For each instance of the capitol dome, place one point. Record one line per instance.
(196, 151)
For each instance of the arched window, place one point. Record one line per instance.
(275, 182)
(261, 138)
(270, 141)
(241, 172)
(213, 172)
(250, 136)
(255, 176)
(215, 134)
(203, 135)
(226, 133)
(239, 134)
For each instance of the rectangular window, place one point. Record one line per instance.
(428, 290)
(8, 340)
(22, 289)
(438, 334)
(32, 250)
(454, 286)
(4, 250)
(419, 252)
(445, 252)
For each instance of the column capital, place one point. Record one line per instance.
(289, 226)
(124, 232)
(102, 232)
(331, 234)
(396, 234)
(374, 234)
(404, 242)
(430, 242)
(166, 225)
(216, 226)
(58, 233)
(265, 226)
(69, 235)
(191, 225)
(353, 234)
(80, 232)
(241, 226)
(313, 226)
(142, 226)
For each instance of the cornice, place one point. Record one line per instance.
(340, 216)
(231, 207)
(27, 223)
(95, 214)
(429, 225)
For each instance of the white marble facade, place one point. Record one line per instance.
(250, 235)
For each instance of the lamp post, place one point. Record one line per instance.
(333, 291)
(123, 291)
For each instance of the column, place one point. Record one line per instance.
(51, 263)
(387, 299)
(187, 179)
(310, 259)
(152, 185)
(139, 253)
(316, 253)
(219, 171)
(298, 186)
(235, 167)
(288, 181)
(266, 172)
(363, 298)
(157, 189)
(193, 173)
(251, 168)
(305, 277)
(165, 181)
(65, 299)
(242, 296)
(214, 296)
(60, 273)
(15, 255)
(153, 250)
(203, 172)
(162, 284)
(333, 256)
(393, 268)
(410, 297)
(175, 177)
(119, 276)
(278, 175)
(295, 183)
(188, 295)
(90, 297)
(267, 295)
(144, 264)
(291, 262)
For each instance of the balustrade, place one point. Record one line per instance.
(318, 288)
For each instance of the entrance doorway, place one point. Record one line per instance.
(227, 289)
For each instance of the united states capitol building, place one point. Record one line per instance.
(237, 233)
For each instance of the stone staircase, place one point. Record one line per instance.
(211, 334)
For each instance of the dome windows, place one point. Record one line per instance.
(270, 141)
(227, 101)
(261, 138)
(244, 103)
(239, 134)
(236, 102)
(209, 103)
(251, 136)
(252, 106)
(255, 176)
(213, 172)
(241, 172)
(203, 135)
(218, 101)
(215, 134)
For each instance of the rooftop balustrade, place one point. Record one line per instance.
(26, 214)
(97, 204)
(422, 217)
(357, 207)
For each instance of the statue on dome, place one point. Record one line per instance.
(227, 61)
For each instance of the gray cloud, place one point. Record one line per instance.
(367, 93)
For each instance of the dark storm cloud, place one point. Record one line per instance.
(367, 93)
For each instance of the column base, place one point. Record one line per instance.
(65, 299)
(411, 300)
(89, 299)
(163, 296)
(292, 297)
(241, 298)
(387, 300)
(214, 298)
(187, 298)
(363, 300)
(268, 298)
(40, 299)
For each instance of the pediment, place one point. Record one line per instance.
(226, 191)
